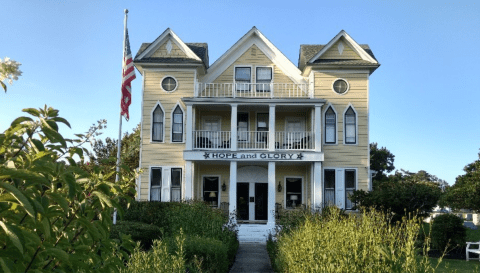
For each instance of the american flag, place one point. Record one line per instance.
(128, 77)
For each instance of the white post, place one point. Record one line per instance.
(233, 128)
(317, 176)
(189, 140)
(232, 195)
(318, 128)
(271, 128)
(271, 193)
(188, 180)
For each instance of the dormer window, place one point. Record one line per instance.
(264, 79)
(243, 78)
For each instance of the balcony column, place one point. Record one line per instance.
(317, 191)
(232, 193)
(233, 128)
(189, 125)
(188, 180)
(318, 128)
(271, 128)
(271, 193)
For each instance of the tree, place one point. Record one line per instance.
(402, 193)
(381, 161)
(9, 70)
(465, 193)
(54, 216)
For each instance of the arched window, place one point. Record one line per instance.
(330, 126)
(177, 125)
(350, 126)
(157, 124)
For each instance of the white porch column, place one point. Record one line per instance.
(233, 130)
(318, 128)
(189, 125)
(188, 180)
(271, 128)
(271, 193)
(232, 194)
(317, 185)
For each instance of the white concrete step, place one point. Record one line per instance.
(254, 233)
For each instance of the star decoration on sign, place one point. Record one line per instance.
(299, 156)
(206, 155)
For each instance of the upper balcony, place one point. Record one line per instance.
(252, 90)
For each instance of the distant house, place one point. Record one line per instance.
(254, 132)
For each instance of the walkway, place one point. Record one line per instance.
(252, 257)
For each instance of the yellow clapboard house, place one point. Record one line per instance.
(253, 133)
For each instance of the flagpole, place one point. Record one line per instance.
(119, 144)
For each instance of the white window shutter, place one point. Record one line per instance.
(166, 185)
(340, 189)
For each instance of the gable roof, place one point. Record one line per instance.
(253, 37)
(196, 53)
(311, 54)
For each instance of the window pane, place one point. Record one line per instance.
(176, 176)
(210, 190)
(264, 73)
(350, 179)
(157, 131)
(158, 114)
(330, 134)
(350, 126)
(329, 183)
(177, 128)
(242, 126)
(242, 74)
(293, 192)
(156, 178)
(176, 195)
(155, 194)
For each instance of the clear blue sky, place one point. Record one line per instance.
(423, 99)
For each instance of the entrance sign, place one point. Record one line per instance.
(250, 156)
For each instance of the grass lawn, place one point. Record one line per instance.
(449, 265)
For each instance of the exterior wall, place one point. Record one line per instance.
(166, 153)
(254, 57)
(347, 53)
(176, 52)
(341, 155)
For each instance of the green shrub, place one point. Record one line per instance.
(351, 243)
(140, 232)
(448, 232)
(157, 259)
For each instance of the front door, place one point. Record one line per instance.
(252, 201)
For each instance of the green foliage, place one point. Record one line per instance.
(158, 259)
(54, 216)
(402, 194)
(140, 232)
(350, 243)
(193, 218)
(448, 232)
(465, 193)
(205, 254)
(381, 161)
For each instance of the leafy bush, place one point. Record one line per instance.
(158, 259)
(352, 243)
(194, 218)
(140, 232)
(448, 232)
(54, 215)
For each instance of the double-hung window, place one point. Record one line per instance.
(330, 126)
(176, 188)
(243, 79)
(349, 187)
(335, 181)
(262, 127)
(263, 79)
(177, 125)
(242, 126)
(293, 192)
(329, 188)
(157, 124)
(350, 126)
(155, 184)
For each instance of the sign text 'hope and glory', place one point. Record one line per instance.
(254, 156)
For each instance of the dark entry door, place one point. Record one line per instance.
(261, 201)
(242, 201)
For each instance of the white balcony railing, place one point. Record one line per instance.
(298, 140)
(252, 90)
(252, 140)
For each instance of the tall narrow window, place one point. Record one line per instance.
(176, 190)
(242, 126)
(264, 79)
(350, 127)
(330, 126)
(242, 78)
(329, 183)
(262, 127)
(157, 126)
(177, 128)
(349, 187)
(293, 192)
(210, 191)
(155, 184)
